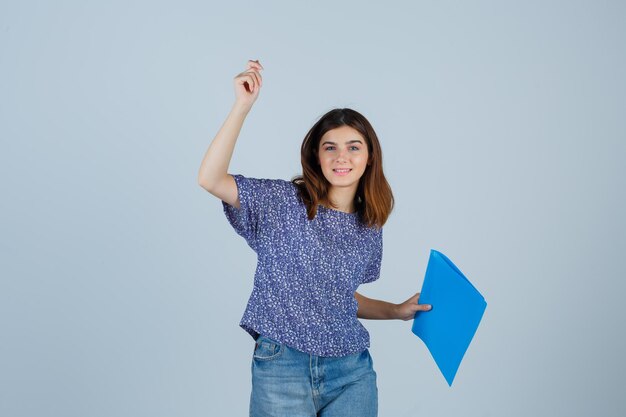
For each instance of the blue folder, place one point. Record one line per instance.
(457, 308)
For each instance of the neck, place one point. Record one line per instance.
(342, 198)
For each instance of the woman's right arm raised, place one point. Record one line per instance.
(213, 175)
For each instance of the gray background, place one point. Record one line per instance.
(503, 132)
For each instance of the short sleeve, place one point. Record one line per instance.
(256, 196)
(372, 271)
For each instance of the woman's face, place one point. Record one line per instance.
(343, 156)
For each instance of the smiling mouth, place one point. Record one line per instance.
(341, 172)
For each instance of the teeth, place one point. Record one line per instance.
(341, 170)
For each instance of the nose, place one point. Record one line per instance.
(341, 155)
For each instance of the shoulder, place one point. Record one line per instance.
(373, 232)
(270, 184)
(375, 239)
(268, 189)
(377, 235)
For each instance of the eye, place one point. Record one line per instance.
(356, 148)
(329, 148)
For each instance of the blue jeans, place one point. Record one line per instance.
(290, 383)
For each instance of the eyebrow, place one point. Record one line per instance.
(348, 142)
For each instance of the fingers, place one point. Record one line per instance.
(417, 306)
(409, 313)
(247, 81)
(413, 299)
(251, 76)
(423, 307)
(257, 77)
(255, 67)
(254, 81)
(255, 64)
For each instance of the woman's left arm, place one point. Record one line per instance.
(372, 309)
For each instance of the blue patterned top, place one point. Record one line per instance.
(307, 270)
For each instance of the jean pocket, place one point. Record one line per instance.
(266, 349)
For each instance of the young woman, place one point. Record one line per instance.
(317, 237)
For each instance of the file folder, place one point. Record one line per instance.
(457, 309)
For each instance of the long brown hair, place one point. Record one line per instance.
(373, 199)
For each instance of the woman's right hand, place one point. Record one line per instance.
(248, 84)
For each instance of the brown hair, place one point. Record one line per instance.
(373, 199)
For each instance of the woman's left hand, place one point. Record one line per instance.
(406, 310)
